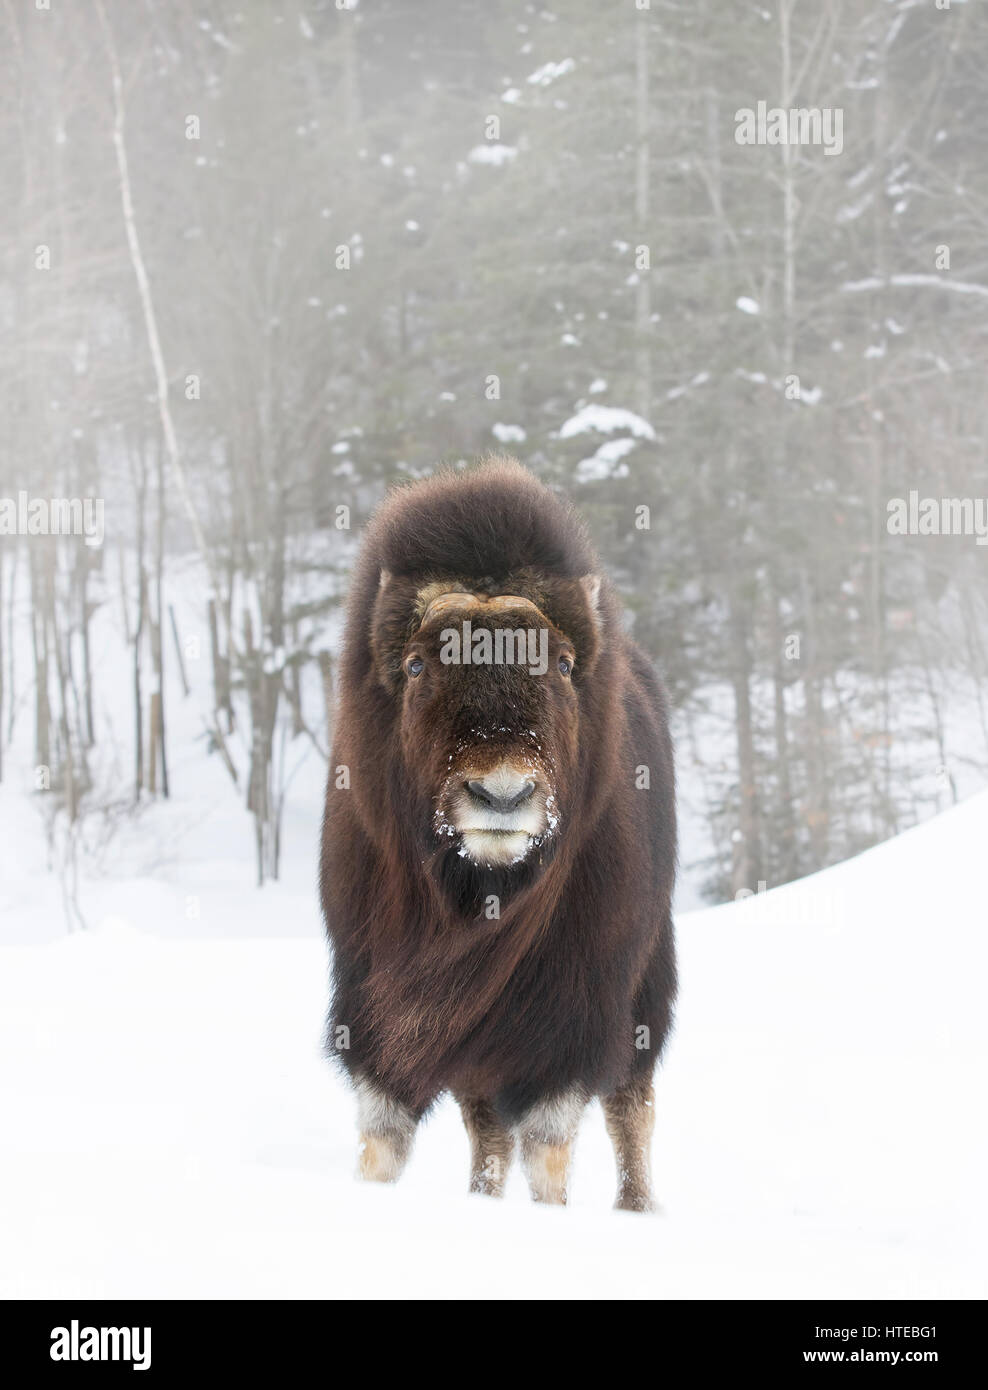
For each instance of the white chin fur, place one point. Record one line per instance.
(527, 821)
(495, 850)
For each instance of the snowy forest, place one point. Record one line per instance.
(260, 260)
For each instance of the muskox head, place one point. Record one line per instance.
(488, 679)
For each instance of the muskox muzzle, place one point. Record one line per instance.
(500, 813)
(500, 791)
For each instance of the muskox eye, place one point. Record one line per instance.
(416, 666)
(565, 665)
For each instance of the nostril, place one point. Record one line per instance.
(526, 791)
(478, 790)
(490, 798)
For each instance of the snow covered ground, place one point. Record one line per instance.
(170, 1128)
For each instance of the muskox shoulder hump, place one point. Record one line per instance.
(486, 522)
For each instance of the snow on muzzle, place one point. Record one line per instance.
(499, 813)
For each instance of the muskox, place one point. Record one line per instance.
(499, 841)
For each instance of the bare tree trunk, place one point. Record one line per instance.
(68, 765)
(747, 851)
(11, 681)
(124, 607)
(256, 776)
(179, 658)
(881, 752)
(87, 669)
(144, 290)
(643, 289)
(939, 730)
(293, 677)
(326, 672)
(141, 494)
(785, 820)
(976, 655)
(157, 641)
(817, 797)
(221, 671)
(789, 204)
(39, 641)
(216, 733)
(786, 348)
(154, 723)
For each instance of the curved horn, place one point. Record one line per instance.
(444, 602)
(461, 600)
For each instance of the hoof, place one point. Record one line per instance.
(635, 1201)
(378, 1160)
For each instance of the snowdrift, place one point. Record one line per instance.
(171, 1129)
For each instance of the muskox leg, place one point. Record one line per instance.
(630, 1116)
(491, 1146)
(547, 1134)
(387, 1129)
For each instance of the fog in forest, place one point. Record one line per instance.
(716, 272)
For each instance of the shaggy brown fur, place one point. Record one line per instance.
(491, 1146)
(567, 993)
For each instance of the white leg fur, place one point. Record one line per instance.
(547, 1134)
(491, 1146)
(387, 1129)
(630, 1117)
